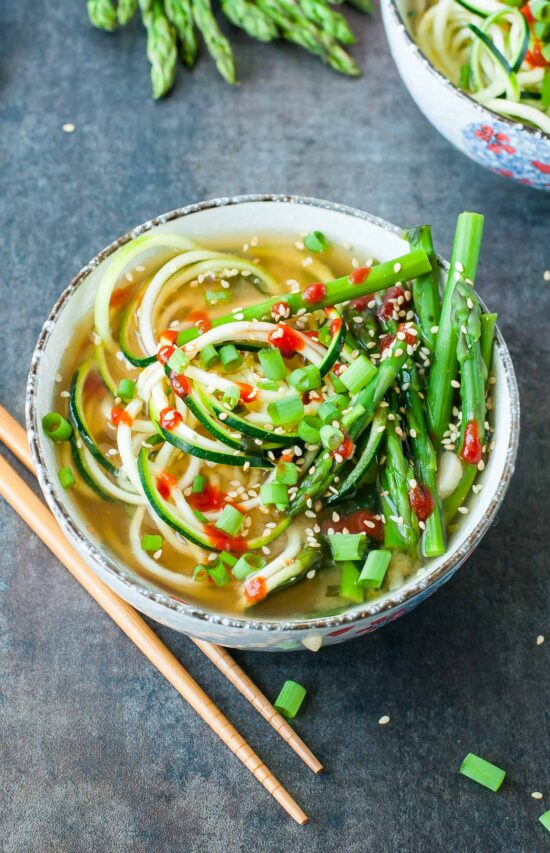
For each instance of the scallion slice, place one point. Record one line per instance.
(218, 573)
(482, 772)
(331, 437)
(198, 485)
(209, 355)
(230, 520)
(349, 418)
(287, 411)
(272, 363)
(375, 568)
(545, 94)
(309, 429)
(178, 361)
(268, 384)
(217, 297)
(290, 698)
(341, 401)
(349, 583)
(66, 477)
(347, 546)
(305, 378)
(328, 412)
(274, 493)
(324, 335)
(545, 820)
(56, 427)
(358, 374)
(229, 357)
(227, 558)
(287, 473)
(231, 397)
(126, 390)
(201, 516)
(200, 573)
(151, 542)
(316, 241)
(246, 564)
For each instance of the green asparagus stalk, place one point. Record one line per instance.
(425, 289)
(488, 323)
(466, 318)
(393, 537)
(161, 47)
(425, 459)
(102, 14)
(250, 18)
(180, 14)
(218, 46)
(362, 5)
(380, 277)
(366, 457)
(330, 22)
(125, 11)
(463, 266)
(398, 474)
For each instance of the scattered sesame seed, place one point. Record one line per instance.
(311, 574)
(383, 721)
(463, 510)
(536, 795)
(455, 383)
(69, 127)
(397, 267)
(540, 640)
(64, 394)
(546, 275)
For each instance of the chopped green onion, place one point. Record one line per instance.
(331, 437)
(309, 429)
(274, 493)
(341, 401)
(305, 378)
(246, 564)
(464, 80)
(66, 477)
(540, 10)
(545, 820)
(200, 573)
(337, 384)
(272, 363)
(349, 418)
(209, 355)
(218, 573)
(358, 374)
(215, 297)
(202, 518)
(289, 699)
(541, 30)
(324, 334)
(231, 397)
(347, 546)
(56, 427)
(151, 542)
(178, 361)
(482, 771)
(230, 520)
(316, 242)
(545, 50)
(349, 583)
(229, 357)
(287, 411)
(287, 473)
(126, 390)
(227, 558)
(374, 570)
(328, 412)
(198, 485)
(545, 95)
(267, 385)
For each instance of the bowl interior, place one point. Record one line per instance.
(261, 216)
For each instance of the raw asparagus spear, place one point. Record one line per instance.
(102, 14)
(180, 13)
(353, 479)
(463, 266)
(342, 289)
(466, 318)
(161, 47)
(488, 323)
(125, 11)
(217, 44)
(398, 474)
(250, 18)
(425, 288)
(330, 22)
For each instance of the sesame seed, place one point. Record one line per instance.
(64, 394)
(69, 127)
(434, 330)
(463, 510)
(383, 721)
(546, 275)
(335, 516)
(265, 549)
(397, 267)
(311, 574)
(536, 795)
(540, 640)
(455, 383)
(58, 377)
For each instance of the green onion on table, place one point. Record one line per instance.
(174, 25)
(318, 438)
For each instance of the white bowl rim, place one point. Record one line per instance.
(141, 587)
(413, 46)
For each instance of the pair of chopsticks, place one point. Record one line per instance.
(31, 509)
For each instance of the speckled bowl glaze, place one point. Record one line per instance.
(500, 144)
(244, 216)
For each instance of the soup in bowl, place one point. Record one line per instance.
(260, 424)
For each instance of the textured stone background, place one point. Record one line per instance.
(97, 753)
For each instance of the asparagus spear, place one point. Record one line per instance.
(425, 289)
(330, 22)
(393, 537)
(161, 47)
(433, 540)
(398, 474)
(218, 46)
(466, 318)
(362, 5)
(488, 323)
(125, 11)
(367, 455)
(463, 266)
(180, 13)
(250, 18)
(102, 14)
(341, 289)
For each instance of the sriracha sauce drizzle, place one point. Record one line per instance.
(119, 416)
(421, 501)
(471, 447)
(286, 339)
(165, 484)
(314, 293)
(359, 275)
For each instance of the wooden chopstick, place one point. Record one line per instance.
(13, 435)
(31, 509)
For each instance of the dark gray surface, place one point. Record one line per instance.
(97, 752)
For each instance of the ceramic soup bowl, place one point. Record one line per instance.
(241, 217)
(500, 144)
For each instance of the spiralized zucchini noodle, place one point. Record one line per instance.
(497, 53)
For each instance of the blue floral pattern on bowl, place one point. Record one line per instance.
(510, 152)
